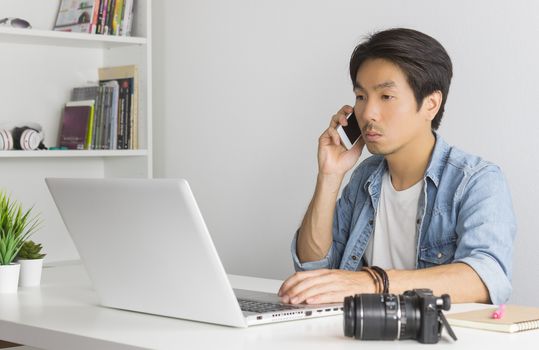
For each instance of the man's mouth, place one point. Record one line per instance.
(371, 136)
(373, 133)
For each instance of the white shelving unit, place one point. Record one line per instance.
(74, 153)
(54, 38)
(39, 67)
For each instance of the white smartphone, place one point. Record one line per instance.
(350, 133)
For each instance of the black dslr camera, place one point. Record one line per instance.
(416, 314)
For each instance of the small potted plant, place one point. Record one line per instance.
(31, 260)
(16, 226)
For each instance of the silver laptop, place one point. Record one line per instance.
(146, 248)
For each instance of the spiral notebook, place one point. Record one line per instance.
(516, 319)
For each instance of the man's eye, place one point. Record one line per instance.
(360, 97)
(387, 97)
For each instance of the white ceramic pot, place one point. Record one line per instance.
(9, 278)
(30, 272)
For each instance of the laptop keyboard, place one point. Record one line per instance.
(261, 307)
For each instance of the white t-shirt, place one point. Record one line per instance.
(394, 243)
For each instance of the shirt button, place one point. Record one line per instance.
(371, 222)
(418, 221)
(439, 256)
(354, 257)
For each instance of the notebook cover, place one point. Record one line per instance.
(516, 318)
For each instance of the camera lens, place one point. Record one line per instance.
(349, 318)
(410, 316)
(381, 316)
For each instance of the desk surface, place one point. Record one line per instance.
(64, 314)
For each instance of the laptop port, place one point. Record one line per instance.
(258, 317)
(308, 313)
(328, 310)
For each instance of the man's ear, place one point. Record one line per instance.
(432, 103)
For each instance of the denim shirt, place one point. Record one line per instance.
(464, 215)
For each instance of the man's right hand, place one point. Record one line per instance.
(333, 158)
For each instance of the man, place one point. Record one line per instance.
(429, 214)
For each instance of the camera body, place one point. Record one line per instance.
(416, 314)
(431, 328)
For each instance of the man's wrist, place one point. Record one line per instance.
(329, 182)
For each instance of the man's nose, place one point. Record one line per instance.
(370, 112)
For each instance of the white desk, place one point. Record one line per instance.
(64, 314)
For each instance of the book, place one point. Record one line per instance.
(105, 140)
(97, 142)
(127, 18)
(81, 93)
(117, 18)
(516, 319)
(112, 118)
(127, 109)
(124, 104)
(77, 123)
(75, 16)
(93, 26)
(90, 92)
(108, 17)
(99, 26)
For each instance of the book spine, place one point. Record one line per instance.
(107, 120)
(88, 141)
(121, 115)
(97, 116)
(118, 122)
(128, 5)
(97, 124)
(109, 17)
(114, 120)
(121, 18)
(117, 17)
(103, 119)
(127, 120)
(135, 110)
(132, 117)
(135, 117)
(127, 141)
(100, 18)
(95, 17)
(130, 20)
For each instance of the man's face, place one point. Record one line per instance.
(386, 109)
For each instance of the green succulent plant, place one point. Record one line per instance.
(30, 250)
(16, 226)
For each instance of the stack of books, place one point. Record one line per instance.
(103, 115)
(111, 17)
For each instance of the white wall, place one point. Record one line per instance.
(242, 90)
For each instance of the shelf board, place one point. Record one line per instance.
(74, 153)
(56, 38)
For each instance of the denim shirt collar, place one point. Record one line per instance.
(434, 169)
(438, 160)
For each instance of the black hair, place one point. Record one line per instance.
(423, 60)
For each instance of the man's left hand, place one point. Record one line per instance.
(324, 286)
